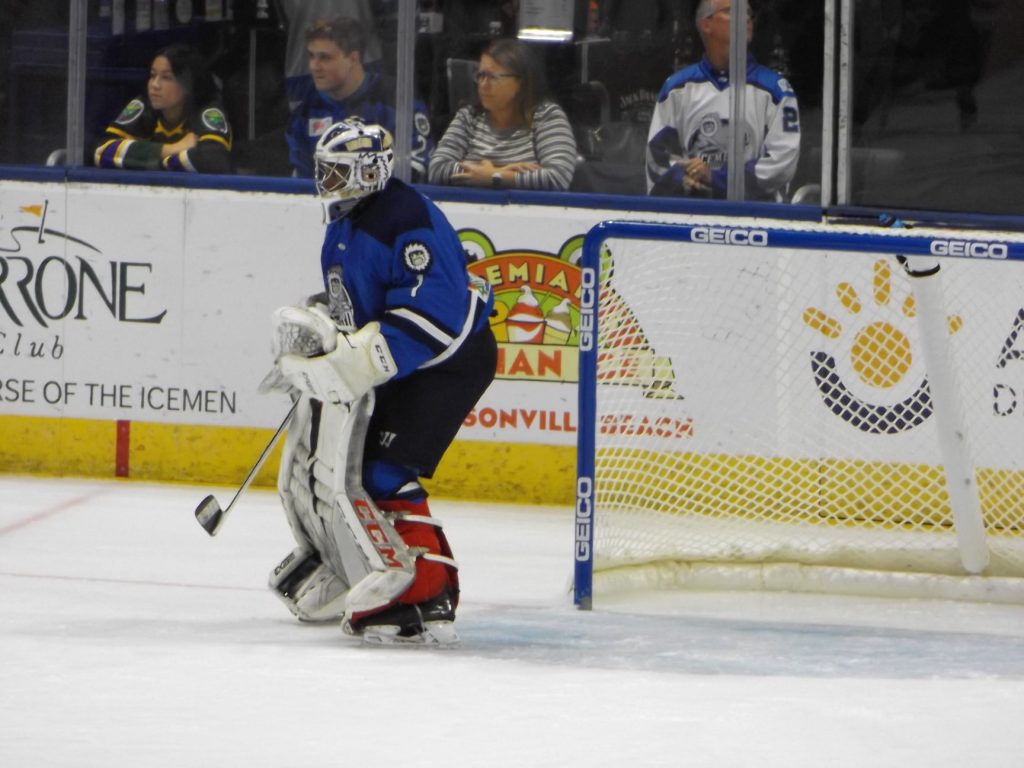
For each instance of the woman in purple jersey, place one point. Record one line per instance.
(179, 125)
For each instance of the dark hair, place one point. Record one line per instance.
(517, 57)
(345, 32)
(190, 70)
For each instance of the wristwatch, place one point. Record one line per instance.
(496, 180)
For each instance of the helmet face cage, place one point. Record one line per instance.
(352, 160)
(331, 177)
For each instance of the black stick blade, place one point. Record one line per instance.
(209, 514)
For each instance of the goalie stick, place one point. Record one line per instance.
(209, 512)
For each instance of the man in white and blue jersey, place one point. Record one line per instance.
(689, 137)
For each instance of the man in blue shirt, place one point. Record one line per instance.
(339, 86)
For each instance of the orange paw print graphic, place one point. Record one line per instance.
(880, 353)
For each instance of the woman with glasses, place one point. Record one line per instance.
(514, 137)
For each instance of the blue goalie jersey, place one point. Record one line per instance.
(396, 259)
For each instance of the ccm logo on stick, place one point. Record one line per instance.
(725, 236)
(588, 298)
(967, 248)
(584, 516)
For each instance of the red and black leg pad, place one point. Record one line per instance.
(431, 576)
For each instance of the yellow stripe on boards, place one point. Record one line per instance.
(512, 473)
(44, 446)
(201, 454)
(501, 472)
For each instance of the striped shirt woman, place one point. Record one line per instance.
(514, 137)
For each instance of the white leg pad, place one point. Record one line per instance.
(286, 471)
(388, 567)
(330, 513)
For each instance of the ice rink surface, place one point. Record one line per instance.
(128, 637)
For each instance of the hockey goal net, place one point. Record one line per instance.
(799, 407)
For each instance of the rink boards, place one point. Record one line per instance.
(134, 330)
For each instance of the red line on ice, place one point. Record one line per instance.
(62, 507)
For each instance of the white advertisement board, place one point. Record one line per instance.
(146, 304)
(153, 304)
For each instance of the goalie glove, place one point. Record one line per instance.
(358, 362)
(306, 331)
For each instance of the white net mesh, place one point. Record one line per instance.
(770, 406)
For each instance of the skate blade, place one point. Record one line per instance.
(435, 634)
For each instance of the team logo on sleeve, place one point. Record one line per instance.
(417, 257)
(339, 303)
(130, 112)
(214, 119)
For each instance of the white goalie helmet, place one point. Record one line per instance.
(353, 159)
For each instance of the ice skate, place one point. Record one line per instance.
(431, 623)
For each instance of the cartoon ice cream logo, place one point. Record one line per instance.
(526, 320)
(558, 324)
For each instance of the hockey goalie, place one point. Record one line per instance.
(386, 364)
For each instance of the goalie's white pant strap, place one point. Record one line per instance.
(422, 519)
(450, 562)
(411, 488)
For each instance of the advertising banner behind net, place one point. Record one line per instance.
(153, 304)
